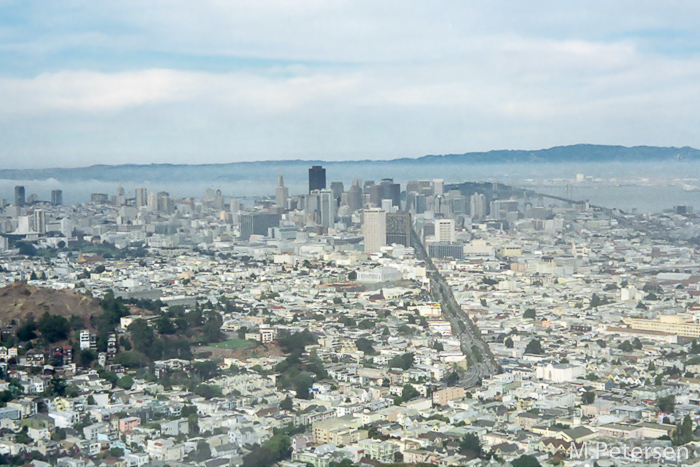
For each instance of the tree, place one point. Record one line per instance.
(404, 361)
(588, 397)
(53, 327)
(452, 378)
(203, 451)
(509, 343)
(116, 452)
(534, 347)
(409, 392)
(667, 404)
(636, 343)
(684, 432)
(530, 313)
(595, 301)
(206, 369)
(365, 345)
(125, 343)
(208, 391)
(125, 382)
(470, 445)
(287, 404)
(26, 249)
(658, 381)
(26, 331)
(626, 346)
(302, 384)
(438, 346)
(525, 461)
(57, 386)
(165, 325)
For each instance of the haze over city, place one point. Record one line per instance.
(349, 234)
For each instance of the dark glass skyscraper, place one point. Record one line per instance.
(19, 196)
(57, 197)
(317, 178)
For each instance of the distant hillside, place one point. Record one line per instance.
(19, 301)
(575, 153)
(260, 169)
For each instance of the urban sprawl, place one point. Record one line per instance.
(354, 325)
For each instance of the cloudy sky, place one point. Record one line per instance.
(85, 82)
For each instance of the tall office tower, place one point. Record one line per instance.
(374, 229)
(163, 202)
(209, 194)
(367, 186)
(392, 191)
(312, 207)
(375, 195)
(40, 221)
(317, 178)
(99, 198)
(120, 199)
(501, 207)
(235, 205)
(477, 206)
(281, 193)
(141, 195)
(355, 198)
(258, 223)
(218, 201)
(337, 188)
(327, 207)
(153, 201)
(398, 228)
(439, 186)
(445, 230)
(386, 189)
(19, 196)
(413, 186)
(56, 197)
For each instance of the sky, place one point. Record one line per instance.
(209, 81)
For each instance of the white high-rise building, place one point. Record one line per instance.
(141, 197)
(282, 193)
(439, 186)
(374, 229)
(477, 206)
(445, 230)
(326, 204)
(40, 221)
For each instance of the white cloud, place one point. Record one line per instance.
(336, 79)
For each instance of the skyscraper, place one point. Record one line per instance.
(445, 230)
(57, 197)
(282, 193)
(355, 197)
(327, 207)
(141, 197)
(258, 223)
(19, 196)
(317, 178)
(40, 221)
(374, 229)
(398, 228)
